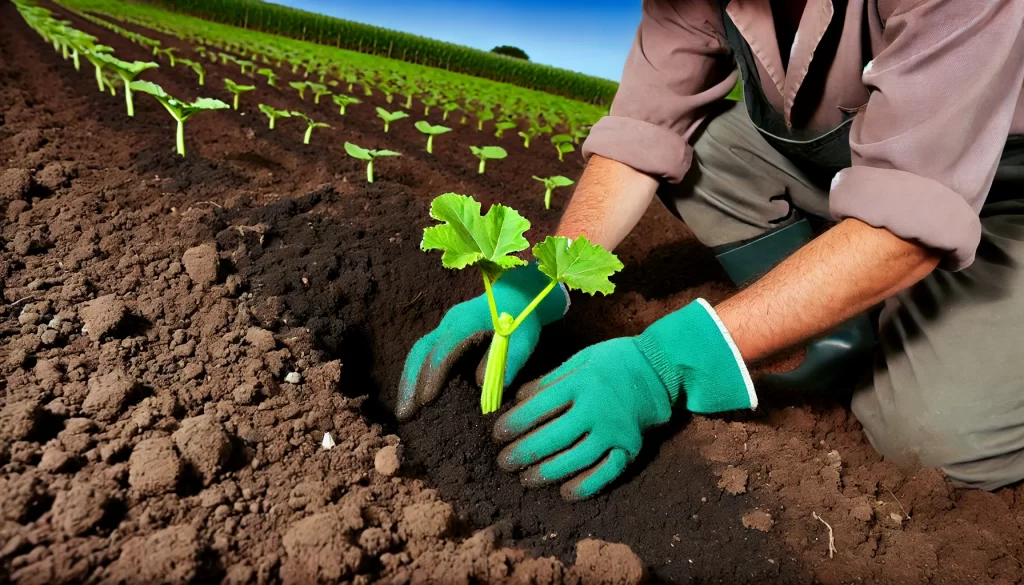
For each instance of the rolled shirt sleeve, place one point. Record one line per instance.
(944, 87)
(677, 66)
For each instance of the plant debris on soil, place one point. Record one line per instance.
(178, 335)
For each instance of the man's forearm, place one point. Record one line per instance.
(839, 275)
(608, 202)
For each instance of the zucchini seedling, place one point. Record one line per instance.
(448, 108)
(197, 67)
(299, 86)
(269, 74)
(431, 131)
(486, 153)
(274, 114)
(500, 128)
(236, 89)
(127, 72)
(563, 144)
(319, 90)
(490, 241)
(550, 184)
(310, 124)
(98, 63)
(168, 52)
(390, 117)
(180, 110)
(342, 101)
(369, 156)
(483, 116)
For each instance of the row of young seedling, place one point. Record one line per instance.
(111, 72)
(450, 93)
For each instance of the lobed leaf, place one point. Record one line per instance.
(580, 265)
(467, 238)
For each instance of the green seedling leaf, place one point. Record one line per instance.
(368, 155)
(343, 101)
(431, 131)
(238, 89)
(299, 86)
(550, 184)
(180, 110)
(579, 265)
(319, 89)
(197, 67)
(449, 108)
(269, 74)
(486, 153)
(128, 72)
(482, 116)
(274, 114)
(98, 63)
(390, 117)
(168, 52)
(468, 238)
(502, 126)
(357, 151)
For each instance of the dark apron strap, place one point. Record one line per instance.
(820, 154)
(823, 154)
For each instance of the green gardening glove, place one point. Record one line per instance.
(597, 405)
(468, 323)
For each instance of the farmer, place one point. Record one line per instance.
(900, 120)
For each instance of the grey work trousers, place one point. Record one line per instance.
(947, 387)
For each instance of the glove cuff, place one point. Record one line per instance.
(692, 350)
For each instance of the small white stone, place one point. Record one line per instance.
(328, 442)
(293, 378)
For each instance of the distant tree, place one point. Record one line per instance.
(511, 52)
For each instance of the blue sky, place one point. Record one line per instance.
(590, 36)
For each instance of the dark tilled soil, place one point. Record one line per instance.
(153, 306)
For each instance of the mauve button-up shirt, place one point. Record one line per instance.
(936, 86)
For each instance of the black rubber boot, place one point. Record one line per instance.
(831, 362)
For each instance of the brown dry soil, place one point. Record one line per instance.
(152, 307)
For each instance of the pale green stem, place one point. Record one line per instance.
(236, 101)
(430, 144)
(490, 301)
(128, 98)
(272, 118)
(480, 169)
(180, 138)
(99, 77)
(369, 171)
(547, 198)
(533, 305)
(386, 126)
(494, 372)
(74, 55)
(309, 132)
